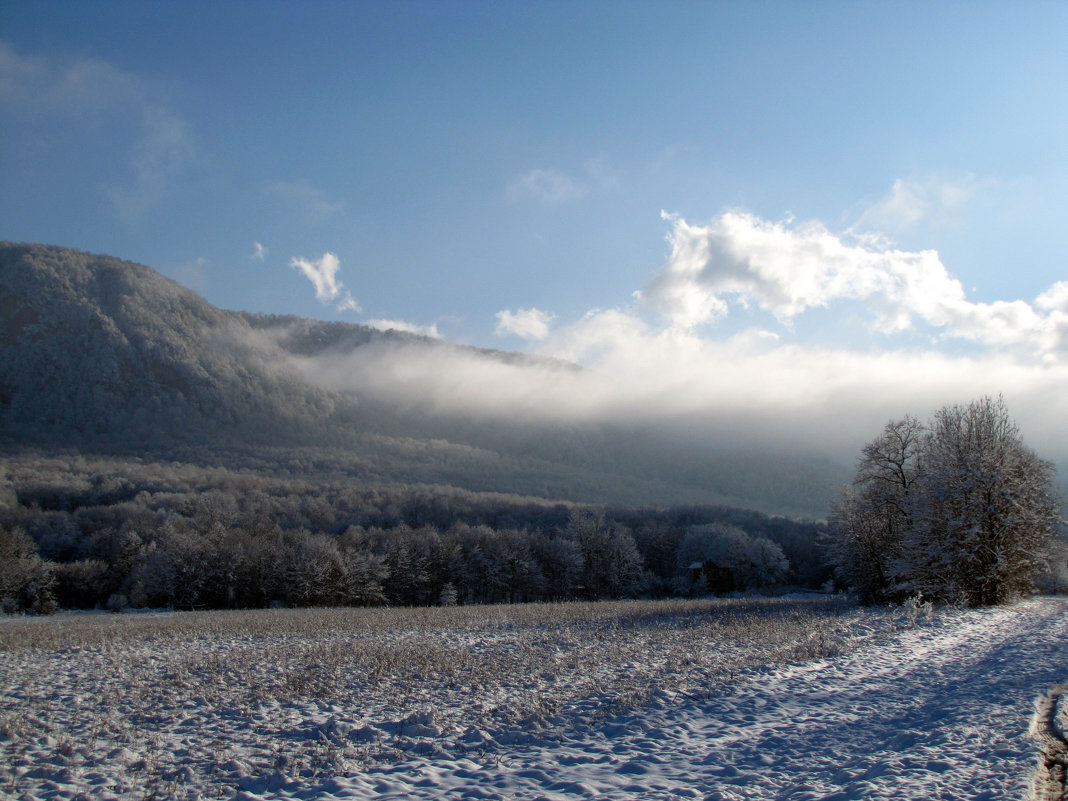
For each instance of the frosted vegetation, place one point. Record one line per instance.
(723, 700)
(86, 533)
(958, 509)
(129, 705)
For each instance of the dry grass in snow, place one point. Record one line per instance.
(203, 704)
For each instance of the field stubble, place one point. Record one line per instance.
(201, 704)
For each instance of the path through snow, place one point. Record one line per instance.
(939, 712)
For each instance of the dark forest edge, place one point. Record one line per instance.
(83, 532)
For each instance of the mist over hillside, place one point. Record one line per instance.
(106, 356)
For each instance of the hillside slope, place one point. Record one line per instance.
(107, 356)
(99, 351)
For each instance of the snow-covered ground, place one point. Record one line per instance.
(717, 701)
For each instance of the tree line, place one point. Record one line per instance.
(84, 534)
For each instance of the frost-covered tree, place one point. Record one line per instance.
(986, 510)
(26, 581)
(316, 572)
(561, 560)
(959, 509)
(869, 522)
(753, 561)
(612, 566)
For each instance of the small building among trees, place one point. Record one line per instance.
(712, 577)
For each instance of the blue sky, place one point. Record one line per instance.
(845, 194)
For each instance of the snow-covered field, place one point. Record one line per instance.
(799, 699)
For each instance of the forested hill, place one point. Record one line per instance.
(103, 351)
(102, 355)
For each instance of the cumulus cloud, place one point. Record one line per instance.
(323, 273)
(93, 91)
(787, 269)
(1055, 298)
(530, 324)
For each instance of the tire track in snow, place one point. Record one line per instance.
(1051, 715)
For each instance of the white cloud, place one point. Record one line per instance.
(259, 252)
(530, 324)
(94, 91)
(1055, 298)
(323, 273)
(348, 303)
(749, 389)
(787, 269)
(409, 328)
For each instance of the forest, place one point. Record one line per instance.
(79, 532)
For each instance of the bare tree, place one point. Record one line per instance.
(868, 524)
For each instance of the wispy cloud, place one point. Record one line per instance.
(164, 148)
(312, 203)
(553, 187)
(323, 273)
(548, 187)
(912, 202)
(259, 252)
(751, 389)
(192, 274)
(530, 324)
(348, 303)
(93, 90)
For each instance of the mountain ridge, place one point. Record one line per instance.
(106, 355)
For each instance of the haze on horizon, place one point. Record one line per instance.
(790, 222)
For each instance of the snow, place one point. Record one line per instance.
(938, 709)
